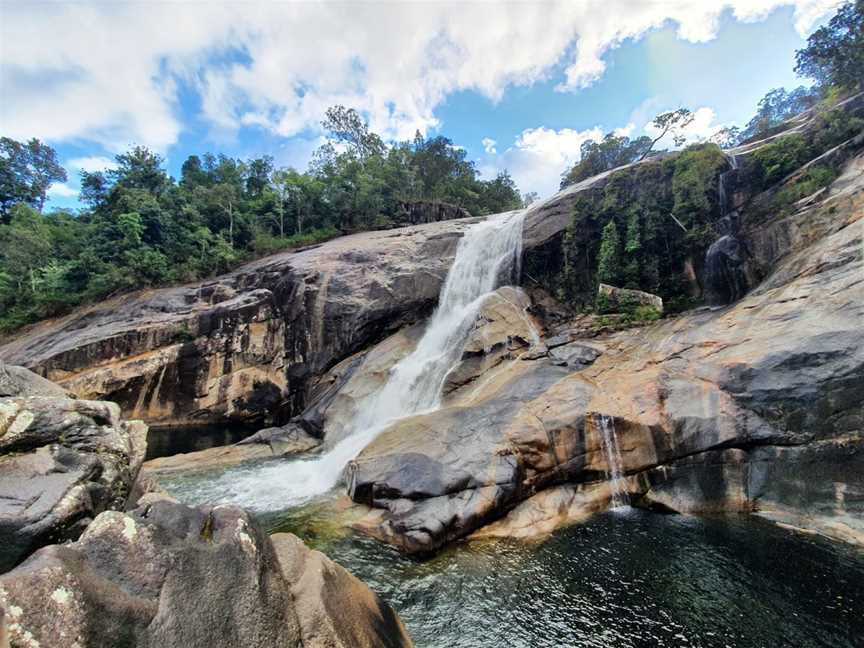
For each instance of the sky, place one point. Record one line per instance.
(520, 85)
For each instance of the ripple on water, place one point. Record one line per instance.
(623, 579)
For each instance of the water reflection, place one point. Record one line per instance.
(625, 579)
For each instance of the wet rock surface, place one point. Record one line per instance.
(169, 575)
(246, 345)
(754, 407)
(62, 461)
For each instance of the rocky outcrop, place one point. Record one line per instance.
(269, 443)
(62, 462)
(335, 609)
(623, 298)
(244, 346)
(168, 575)
(429, 211)
(18, 381)
(756, 407)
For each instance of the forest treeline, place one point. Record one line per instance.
(141, 227)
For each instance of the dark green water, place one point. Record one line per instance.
(628, 578)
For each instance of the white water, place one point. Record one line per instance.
(613, 459)
(487, 257)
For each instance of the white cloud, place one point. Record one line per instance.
(91, 164)
(62, 190)
(109, 73)
(489, 145)
(539, 156)
(700, 129)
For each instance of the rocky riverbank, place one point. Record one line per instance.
(81, 570)
(753, 406)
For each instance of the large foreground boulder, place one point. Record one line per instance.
(166, 575)
(62, 462)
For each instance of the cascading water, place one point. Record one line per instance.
(488, 256)
(724, 279)
(612, 450)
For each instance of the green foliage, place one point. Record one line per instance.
(775, 161)
(772, 162)
(811, 181)
(142, 228)
(665, 210)
(834, 55)
(613, 151)
(27, 170)
(694, 182)
(609, 257)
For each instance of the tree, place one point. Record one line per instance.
(346, 125)
(672, 122)
(774, 108)
(226, 197)
(611, 152)
(27, 170)
(258, 175)
(834, 55)
(726, 137)
(609, 256)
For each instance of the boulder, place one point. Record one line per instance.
(169, 575)
(623, 298)
(335, 609)
(62, 462)
(430, 211)
(18, 381)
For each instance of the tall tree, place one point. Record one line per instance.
(346, 125)
(609, 256)
(27, 171)
(672, 122)
(834, 55)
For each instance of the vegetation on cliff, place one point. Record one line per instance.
(649, 226)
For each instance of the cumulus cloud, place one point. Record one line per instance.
(112, 73)
(489, 145)
(703, 126)
(91, 164)
(539, 156)
(62, 190)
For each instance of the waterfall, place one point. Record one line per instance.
(488, 256)
(606, 425)
(725, 281)
(722, 189)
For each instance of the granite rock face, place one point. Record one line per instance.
(62, 462)
(755, 407)
(169, 575)
(244, 346)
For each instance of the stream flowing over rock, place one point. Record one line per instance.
(756, 407)
(753, 406)
(167, 575)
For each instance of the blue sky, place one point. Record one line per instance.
(520, 86)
